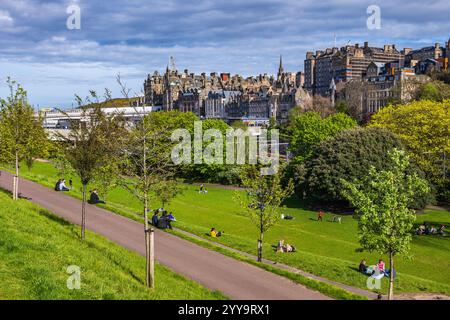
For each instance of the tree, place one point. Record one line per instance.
(62, 165)
(381, 199)
(209, 171)
(107, 177)
(150, 166)
(92, 143)
(262, 201)
(424, 128)
(309, 128)
(22, 136)
(349, 155)
(148, 162)
(239, 124)
(166, 191)
(430, 92)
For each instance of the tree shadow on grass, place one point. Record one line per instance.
(54, 218)
(110, 257)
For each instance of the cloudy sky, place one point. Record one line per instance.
(136, 37)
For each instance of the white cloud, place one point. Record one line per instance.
(5, 19)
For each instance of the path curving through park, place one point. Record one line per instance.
(235, 279)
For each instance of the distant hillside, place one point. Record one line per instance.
(115, 103)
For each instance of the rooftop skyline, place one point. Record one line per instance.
(136, 37)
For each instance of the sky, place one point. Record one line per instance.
(136, 37)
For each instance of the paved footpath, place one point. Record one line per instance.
(213, 270)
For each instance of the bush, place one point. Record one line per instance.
(348, 156)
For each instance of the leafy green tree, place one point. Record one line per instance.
(309, 128)
(209, 171)
(150, 165)
(107, 177)
(430, 92)
(62, 165)
(263, 199)
(166, 191)
(382, 199)
(239, 124)
(349, 156)
(92, 144)
(342, 107)
(22, 136)
(424, 128)
(148, 162)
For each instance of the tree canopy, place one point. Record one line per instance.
(348, 156)
(308, 129)
(424, 127)
(382, 199)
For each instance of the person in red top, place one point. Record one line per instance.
(320, 215)
(380, 265)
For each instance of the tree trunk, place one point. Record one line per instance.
(148, 275)
(152, 258)
(16, 179)
(83, 213)
(391, 277)
(260, 241)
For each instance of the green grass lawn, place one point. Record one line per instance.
(36, 248)
(324, 248)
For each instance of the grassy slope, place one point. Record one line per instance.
(324, 248)
(36, 248)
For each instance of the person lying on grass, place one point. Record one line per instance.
(214, 233)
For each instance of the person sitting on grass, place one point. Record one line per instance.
(387, 272)
(94, 198)
(381, 265)
(280, 246)
(420, 230)
(163, 222)
(362, 266)
(155, 218)
(57, 185)
(62, 186)
(171, 217)
(442, 230)
(215, 234)
(202, 189)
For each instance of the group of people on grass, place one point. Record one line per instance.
(94, 198)
(377, 270)
(428, 229)
(164, 221)
(281, 247)
(335, 218)
(61, 185)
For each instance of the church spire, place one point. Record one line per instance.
(280, 68)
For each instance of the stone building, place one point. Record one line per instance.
(428, 59)
(225, 96)
(217, 101)
(381, 85)
(344, 64)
